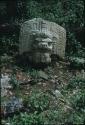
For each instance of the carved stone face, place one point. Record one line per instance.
(40, 39)
(42, 47)
(42, 42)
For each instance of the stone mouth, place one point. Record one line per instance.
(42, 50)
(44, 45)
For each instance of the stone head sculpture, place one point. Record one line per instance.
(40, 39)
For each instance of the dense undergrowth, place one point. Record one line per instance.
(46, 107)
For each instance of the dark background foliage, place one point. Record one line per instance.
(67, 13)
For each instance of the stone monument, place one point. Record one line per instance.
(40, 39)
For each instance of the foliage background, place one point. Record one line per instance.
(67, 13)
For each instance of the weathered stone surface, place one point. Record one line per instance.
(58, 94)
(42, 75)
(41, 38)
(12, 105)
(4, 84)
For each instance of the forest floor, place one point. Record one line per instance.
(22, 83)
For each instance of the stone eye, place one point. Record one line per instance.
(49, 44)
